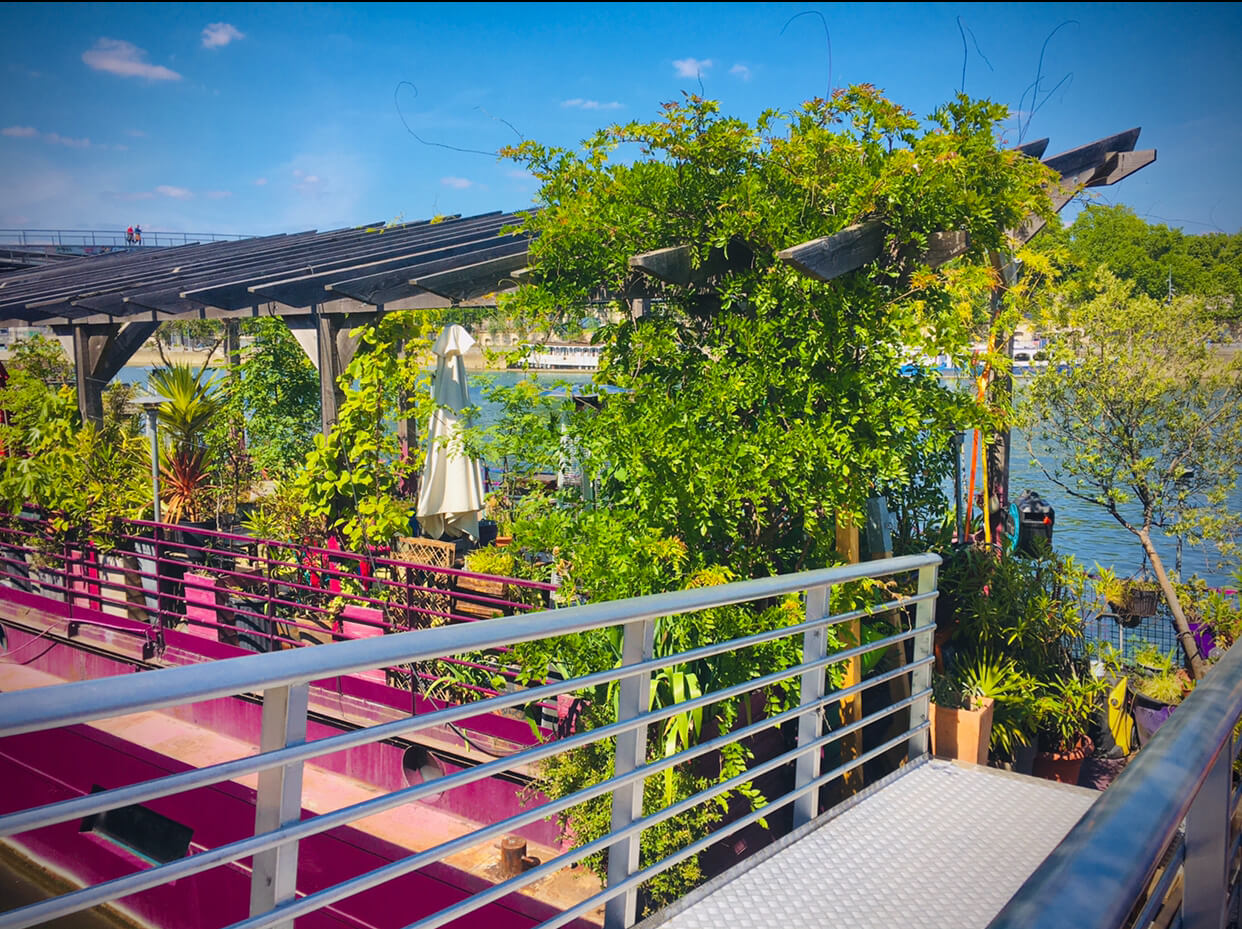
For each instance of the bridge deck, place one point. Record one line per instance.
(937, 844)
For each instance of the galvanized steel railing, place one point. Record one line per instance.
(1174, 807)
(283, 678)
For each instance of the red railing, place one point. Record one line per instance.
(261, 595)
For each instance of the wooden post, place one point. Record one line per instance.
(851, 707)
(100, 350)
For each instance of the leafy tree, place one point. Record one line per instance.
(271, 401)
(1145, 418)
(1152, 257)
(192, 402)
(83, 475)
(764, 406)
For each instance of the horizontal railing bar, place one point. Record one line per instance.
(1120, 839)
(86, 700)
(404, 866)
(78, 807)
(1176, 861)
(75, 901)
(586, 906)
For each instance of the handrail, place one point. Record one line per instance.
(282, 678)
(1104, 865)
(97, 237)
(84, 701)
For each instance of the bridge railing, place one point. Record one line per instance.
(256, 594)
(79, 238)
(1162, 843)
(794, 612)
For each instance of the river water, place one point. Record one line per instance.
(1081, 529)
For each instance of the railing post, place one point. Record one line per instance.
(279, 801)
(1205, 897)
(920, 678)
(811, 690)
(633, 700)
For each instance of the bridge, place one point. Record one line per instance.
(880, 834)
(21, 249)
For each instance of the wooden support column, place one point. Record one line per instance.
(100, 350)
(333, 348)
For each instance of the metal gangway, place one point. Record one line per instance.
(931, 843)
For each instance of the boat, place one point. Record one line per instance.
(569, 356)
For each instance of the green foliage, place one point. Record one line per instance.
(766, 404)
(1150, 257)
(1065, 707)
(191, 405)
(351, 483)
(273, 396)
(85, 476)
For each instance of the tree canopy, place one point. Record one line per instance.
(764, 406)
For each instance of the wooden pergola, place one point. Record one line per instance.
(323, 284)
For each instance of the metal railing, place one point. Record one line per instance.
(1162, 837)
(805, 626)
(112, 238)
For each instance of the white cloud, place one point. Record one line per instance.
(136, 133)
(260, 181)
(177, 193)
(580, 104)
(57, 139)
(741, 71)
(691, 67)
(218, 194)
(52, 138)
(218, 35)
(457, 183)
(520, 174)
(126, 59)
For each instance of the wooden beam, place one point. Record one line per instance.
(673, 265)
(943, 246)
(474, 280)
(99, 352)
(1120, 165)
(1088, 157)
(1034, 149)
(830, 257)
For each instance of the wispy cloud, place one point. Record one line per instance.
(520, 174)
(579, 104)
(691, 67)
(260, 181)
(457, 183)
(52, 138)
(218, 194)
(176, 193)
(218, 35)
(126, 59)
(740, 70)
(131, 196)
(136, 133)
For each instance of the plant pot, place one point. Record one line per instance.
(962, 734)
(1149, 715)
(1063, 766)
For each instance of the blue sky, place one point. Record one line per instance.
(257, 119)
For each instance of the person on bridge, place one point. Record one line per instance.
(137, 235)
(129, 236)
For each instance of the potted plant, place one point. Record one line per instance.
(1064, 710)
(964, 705)
(1132, 599)
(1157, 690)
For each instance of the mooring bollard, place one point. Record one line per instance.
(512, 851)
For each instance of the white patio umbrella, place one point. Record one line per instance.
(450, 496)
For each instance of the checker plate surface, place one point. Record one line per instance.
(941, 845)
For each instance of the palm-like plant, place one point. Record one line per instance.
(190, 403)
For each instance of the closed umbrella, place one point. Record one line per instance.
(450, 496)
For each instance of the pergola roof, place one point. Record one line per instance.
(425, 263)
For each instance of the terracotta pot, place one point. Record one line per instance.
(1063, 767)
(962, 734)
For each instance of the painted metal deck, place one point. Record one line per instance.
(938, 844)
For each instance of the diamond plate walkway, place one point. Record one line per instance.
(937, 845)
